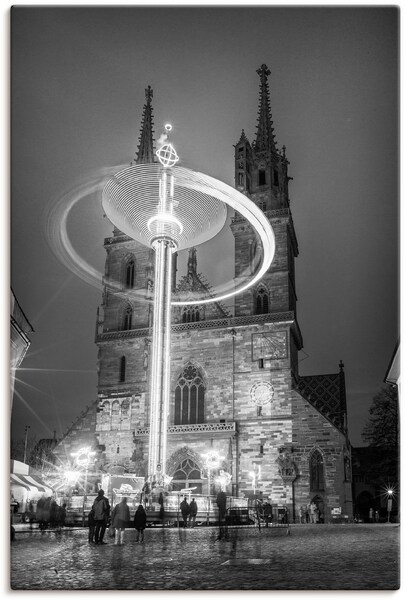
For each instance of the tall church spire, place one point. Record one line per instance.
(145, 148)
(265, 140)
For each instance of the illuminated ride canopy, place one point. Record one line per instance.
(171, 208)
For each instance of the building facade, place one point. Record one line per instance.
(20, 328)
(236, 392)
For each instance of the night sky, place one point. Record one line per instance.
(78, 79)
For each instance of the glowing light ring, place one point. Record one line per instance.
(167, 155)
(130, 200)
(59, 241)
(212, 460)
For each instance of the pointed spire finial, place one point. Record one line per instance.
(265, 140)
(145, 148)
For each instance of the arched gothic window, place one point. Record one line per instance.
(262, 301)
(123, 364)
(127, 320)
(316, 474)
(189, 397)
(130, 273)
(187, 474)
(191, 314)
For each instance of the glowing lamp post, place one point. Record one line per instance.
(83, 458)
(171, 208)
(390, 494)
(252, 475)
(212, 461)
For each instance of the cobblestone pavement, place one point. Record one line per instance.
(317, 557)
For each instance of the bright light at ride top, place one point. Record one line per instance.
(212, 459)
(83, 456)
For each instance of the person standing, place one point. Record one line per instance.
(140, 523)
(312, 512)
(161, 507)
(101, 508)
(193, 513)
(302, 514)
(119, 520)
(371, 515)
(267, 513)
(185, 510)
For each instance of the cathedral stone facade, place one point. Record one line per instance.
(235, 385)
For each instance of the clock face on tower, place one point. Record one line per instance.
(269, 345)
(261, 393)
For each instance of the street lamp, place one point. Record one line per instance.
(252, 475)
(27, 427)
(83, 458)
(390, 493)
(212, 461)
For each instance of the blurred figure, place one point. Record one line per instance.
(267, 513)
(193, 513)
(62, 515)
(101, 508)
(119, 520)
(221, 503)
(185, 510)
(140, 523)
(92, 526)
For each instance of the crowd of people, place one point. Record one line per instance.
(100, 517)
(48, 513)
(310, 513)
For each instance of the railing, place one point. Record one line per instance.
(212, 324)
(192, 428)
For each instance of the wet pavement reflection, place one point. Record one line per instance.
(341, 557)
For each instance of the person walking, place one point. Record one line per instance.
(140, 523)
(185, 510)
(101, 508)
(193, 513)
(119, 520)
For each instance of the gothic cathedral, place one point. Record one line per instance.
(235, 385)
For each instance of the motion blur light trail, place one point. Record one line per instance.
(57, 233)
(61, 245)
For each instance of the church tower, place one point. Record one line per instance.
(261, 173)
